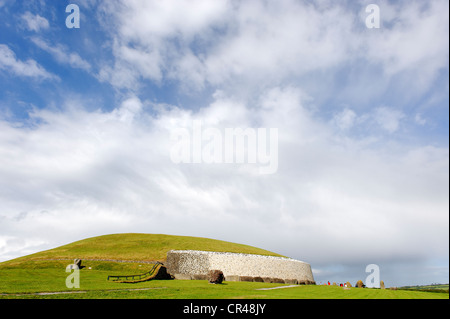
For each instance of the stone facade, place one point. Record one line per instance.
(194, 264)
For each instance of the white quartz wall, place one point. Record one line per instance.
(193, 262)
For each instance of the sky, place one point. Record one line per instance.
(91, 116)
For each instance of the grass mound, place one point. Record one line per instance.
(135, 247)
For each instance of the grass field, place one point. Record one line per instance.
(43, 275)
(94, 286)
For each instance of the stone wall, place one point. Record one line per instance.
(194, 264)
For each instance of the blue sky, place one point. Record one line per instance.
(362, 114)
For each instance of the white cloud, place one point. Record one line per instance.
(389, 119)
(251, 44)
(142, 36)
(34, 22)
(29, 68)
(345, 119)
(419, 119)
(62, 55)
(10, 246)
(412, 40)
(384, 119)
(259, 39)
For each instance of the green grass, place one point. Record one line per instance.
(132, 247)
(24, 277)
(94, 286)
(49, 276)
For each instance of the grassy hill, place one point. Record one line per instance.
(43, 274)
(135, 247)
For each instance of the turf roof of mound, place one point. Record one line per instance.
(139, 247)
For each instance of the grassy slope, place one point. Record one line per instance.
(41, 273)
(135, 247)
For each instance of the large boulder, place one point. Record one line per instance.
(215, 277)
(232, 278)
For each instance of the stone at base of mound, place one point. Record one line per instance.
(231, 278)
(248, 279)
(306, 282)
(190, 277)
(245, 278)
(257, 279)
(182, 276)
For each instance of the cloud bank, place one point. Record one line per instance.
(333, 197)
